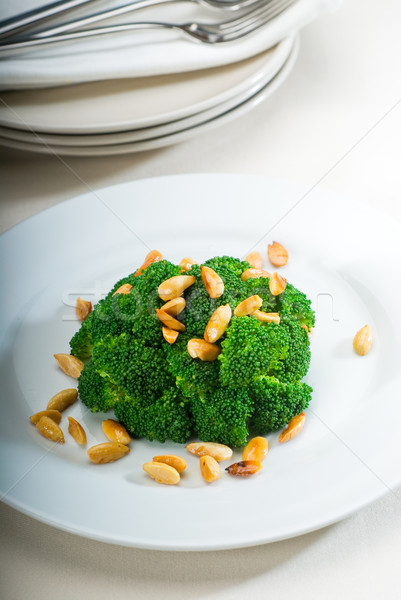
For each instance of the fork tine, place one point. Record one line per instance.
(265, 13)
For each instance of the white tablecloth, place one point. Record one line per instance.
(335, 122)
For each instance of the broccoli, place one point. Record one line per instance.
(275, 403)
(159, 392)
(222, 416)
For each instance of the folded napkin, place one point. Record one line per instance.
(147, 52)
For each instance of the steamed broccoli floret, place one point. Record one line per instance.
(166, 419)
(132, 367)
(251, 350)
(297, 361)
(192, 375)
(95, 391)
(222, 416)
(295, 303)
(81, 343)
(275, 403)
(260, 287)
(235, 265)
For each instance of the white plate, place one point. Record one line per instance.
(150, 52)
(118, 106)
(180, 135)
(241, 92)
(348, 452)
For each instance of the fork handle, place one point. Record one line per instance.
(36, 15)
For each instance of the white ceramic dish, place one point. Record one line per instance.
(345, 457)
(147, 53)
(158, 142)
(263, 73)
(118, 106)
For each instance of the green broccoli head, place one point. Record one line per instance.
(96, 391)
(296, 364)
(235, 265)
(192, 375)
(166, 419)
(81, 343)
(222, 416)
(296, 304)
(275, 403)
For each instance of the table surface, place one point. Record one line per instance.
(335, 123)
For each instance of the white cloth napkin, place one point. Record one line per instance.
(144, 53)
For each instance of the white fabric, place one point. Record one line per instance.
(150, 52)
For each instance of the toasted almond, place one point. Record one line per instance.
(255, 274)
(76, 430)
(277, 284)
(115, 431)
(107, 452)
(63, 399)
(175, 286)
(174, 307)
(210, 468)
(309, 331)
(123, 289)
(50, 430)
(169, 321)
(244, 468)
(218, 323)
(169, 335)
(152, 257)
(173, 460)
(277, 254)
(83, 308)
(255, 259)
(363, 340)
(293, 428)
(219, 452)
(54, 415)
(267, 317)
(213, 283)
(71, 365)
(248, 306)
(198, 348)
(187, 263)
(162, 473)
(256, 449)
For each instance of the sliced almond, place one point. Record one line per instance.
(248, 306)
(123, 289)
(162, 473)
(255, 274)
(210, 468)
(83, 309)
(76, 430)
(363, 341)
(277, 254)
(277, 284)
(54, 415)
(309, 331)
(107, 452)
(255, 260)
(169, 335)
(63, 399)
(213, 283)
(169, 321)
(152, 257)
(265, 317)
(173, 460)
(174, 307)
(115, 431)
(293, 428)
(71, 365)
(218, 323)
(244, 468)
(256, 449)
(175, 286)
(187, 263)
(198, 348)
(219, 452)
(50, 430)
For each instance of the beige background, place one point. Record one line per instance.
(336, 122)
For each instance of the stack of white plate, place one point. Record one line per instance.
(133, 103)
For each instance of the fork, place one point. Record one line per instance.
(209, 33)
